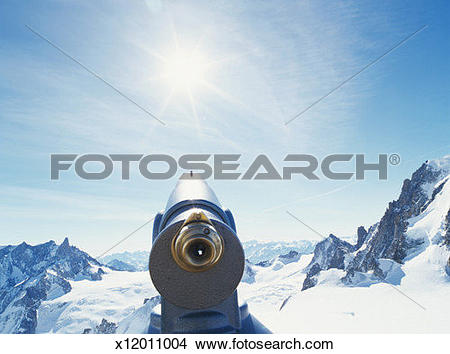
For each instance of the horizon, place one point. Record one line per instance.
(121, 250)
(349, 238)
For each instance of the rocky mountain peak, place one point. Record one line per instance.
(64, 248)
(387, 239)
(362, 235)
(32, 274)
(65, 243)
(329, 253)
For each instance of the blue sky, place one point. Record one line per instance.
(267, 61)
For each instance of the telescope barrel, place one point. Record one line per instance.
(189, 194)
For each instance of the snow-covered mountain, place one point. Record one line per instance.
(260, 251)
(30, 275)
(394, 277)
(137, 260)
(115, 264)
(415, 222)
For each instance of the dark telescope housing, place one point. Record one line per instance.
(196, 264)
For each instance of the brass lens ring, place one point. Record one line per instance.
(197, 247)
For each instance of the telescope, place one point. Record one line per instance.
(196, 263)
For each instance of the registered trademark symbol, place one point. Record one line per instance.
(394, 159)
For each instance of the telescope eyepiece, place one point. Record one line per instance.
(196, 263)
(199, 251)
(197, 247)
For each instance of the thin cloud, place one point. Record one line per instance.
(315, 196)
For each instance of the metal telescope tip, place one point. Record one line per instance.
(198, 246)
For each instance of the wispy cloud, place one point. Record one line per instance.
(312, 197)
(48, 204)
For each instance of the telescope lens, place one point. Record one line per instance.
(197, 247)
(198, 251)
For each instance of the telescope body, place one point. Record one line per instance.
(196, 264)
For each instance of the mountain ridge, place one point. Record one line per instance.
(387, 239)
(32, 274)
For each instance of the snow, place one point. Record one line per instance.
(274, 284)
(137, 321)
(114, 298)
(373, 306)
(9, 319)
(378, 308)
(443, 167)
(20, 283)
(442, 164)
(55, 291)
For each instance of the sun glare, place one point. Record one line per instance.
(189, 73)
(185, 70)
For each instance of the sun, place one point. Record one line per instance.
(185, 69)
(186, 72)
